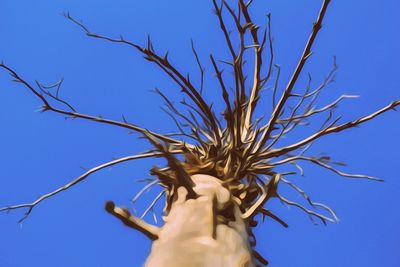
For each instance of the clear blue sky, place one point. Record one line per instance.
(40, 152)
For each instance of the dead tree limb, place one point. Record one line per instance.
(268, 213)
(131, 221)
(287, 93)
(164, 64)
(73, 114)
(329, 130)
(32, 205)
(244, 154)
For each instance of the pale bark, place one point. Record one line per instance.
(195, 234)
(205, 225)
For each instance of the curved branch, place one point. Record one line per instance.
(326, 166)
(307, 197)
(328, 130)
(323, 218)
(256, 207)
(144, 189)
(164, 64)
(152, 204)
(310, 112)
(32, 205)
(73, 114)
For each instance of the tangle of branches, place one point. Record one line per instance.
(242, 151)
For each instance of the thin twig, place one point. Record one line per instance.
(144, 189)
(154, 202)
(201, 68)
(323, 218)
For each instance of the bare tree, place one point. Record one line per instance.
(220, 174)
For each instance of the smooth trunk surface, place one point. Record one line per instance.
(195, 235)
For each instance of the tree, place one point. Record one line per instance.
(194, 163)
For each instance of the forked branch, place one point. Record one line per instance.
(71, 112)
(288, 90)
(323, 218)
(165, 65)
(181, 175)
(238, 153)
(258, 62)
(32, 205)
(320, 162)
(312, 203)
(329, 130)
(265, 196)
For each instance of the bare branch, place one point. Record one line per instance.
(312, 112)
(44, 90)
(164, 64)
(290, 123)
(237, 63)
(131, 221)
(276, 84)
(268, 213)
(307, 197)
(320, 163)
(256, 207)
(201, 68)
(218, 12)
(238, 60)
(193, 122)
(258, 48)
(32, 205)
(179, 125)
(308, 111)
(323, 218)
(259, 257)
(152, 204)
(74, 114)
(144, 189)
(328, 130)
(305, 55)
(181, 175)
(228, 113)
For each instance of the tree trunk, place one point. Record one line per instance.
(206, 232)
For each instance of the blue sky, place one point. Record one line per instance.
(40, 152)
